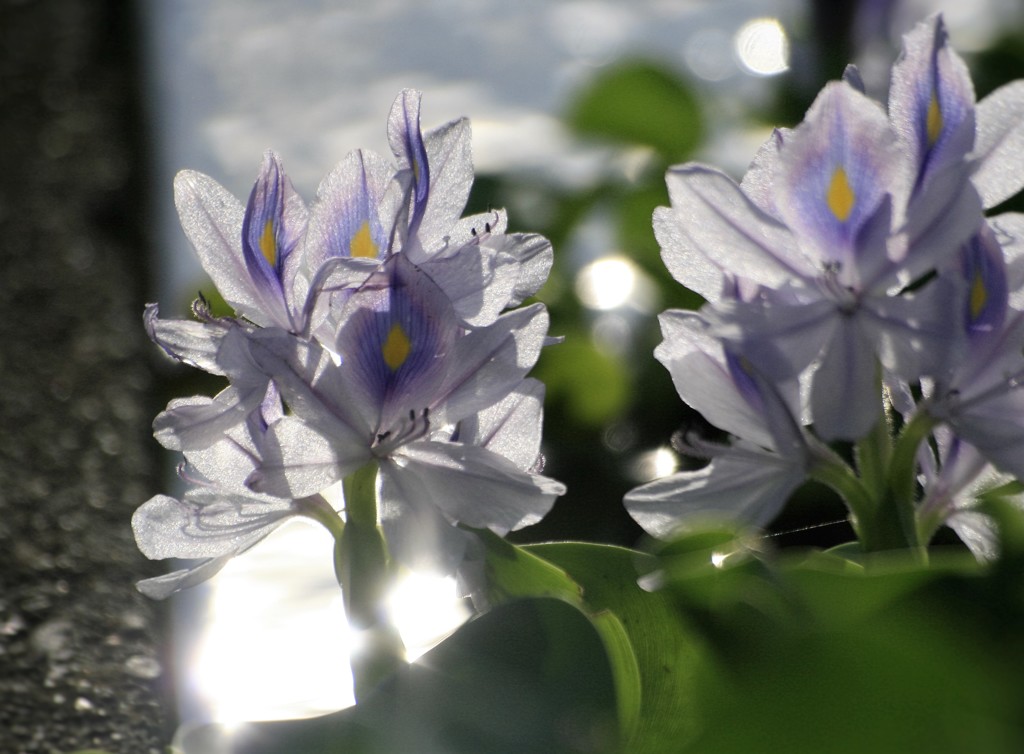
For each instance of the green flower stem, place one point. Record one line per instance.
(902, 478)
(881, 499)
(318, 509)
(832, 471)
(361, 565)
(873, 454)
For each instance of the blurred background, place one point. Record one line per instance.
(577, 109)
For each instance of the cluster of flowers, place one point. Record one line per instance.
(370, 329)
(857, 296)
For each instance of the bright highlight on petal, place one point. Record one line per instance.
(362, 244)
(840, 196)
(934, 121)
(396, 347)
(268, 243)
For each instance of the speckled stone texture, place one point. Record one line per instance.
(82, 654)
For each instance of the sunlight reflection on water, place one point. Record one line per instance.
(274, 643)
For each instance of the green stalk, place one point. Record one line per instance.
(902, 478)
(834, 472)
(318, 509)
(873, 454)
(361, 566)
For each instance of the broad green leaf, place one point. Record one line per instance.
(640, 102)
(625, 669)
(818, 653)
(512, 571)
(901, 668)
(663, 647)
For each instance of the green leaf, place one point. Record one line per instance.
(512, 572)
(659, 643)
(529, 675)
(640, 102)
(625, 669)
(818, 653)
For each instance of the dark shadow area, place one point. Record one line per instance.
(83, 660)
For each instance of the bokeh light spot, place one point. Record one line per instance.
(762, 46)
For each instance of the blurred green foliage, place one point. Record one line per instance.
(640, 102)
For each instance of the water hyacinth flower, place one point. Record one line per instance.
(953, 477)
(248, 252)
(855, 253)
(826, 266)
(379, 315)
(282, 266)
(835, 225)
(409, 374)
(367, 210)
(751, 478)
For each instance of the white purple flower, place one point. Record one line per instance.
(748, 480)
(408, 374)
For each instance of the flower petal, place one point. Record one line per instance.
(713, 221)
(419, 536)
(931, 101)
(407, 144)
(478, 280)
(192, 343)
(162, 587)
(314, 390)
(346, 220)
(749, 486)
(212, 219)
(451, 176)
(488, 363)
(696, 361)
(845, 393)
(511, 427)
(999, 145)
(834, 172)
(301, 459)
(207, 524)
(469, 485)
(396, 341)
(199, 422)
(274, 220)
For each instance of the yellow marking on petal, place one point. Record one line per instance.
(933, 121)
(268, 243)
(840, 196)
(396, 347)
(362, 244)
(979, 297)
